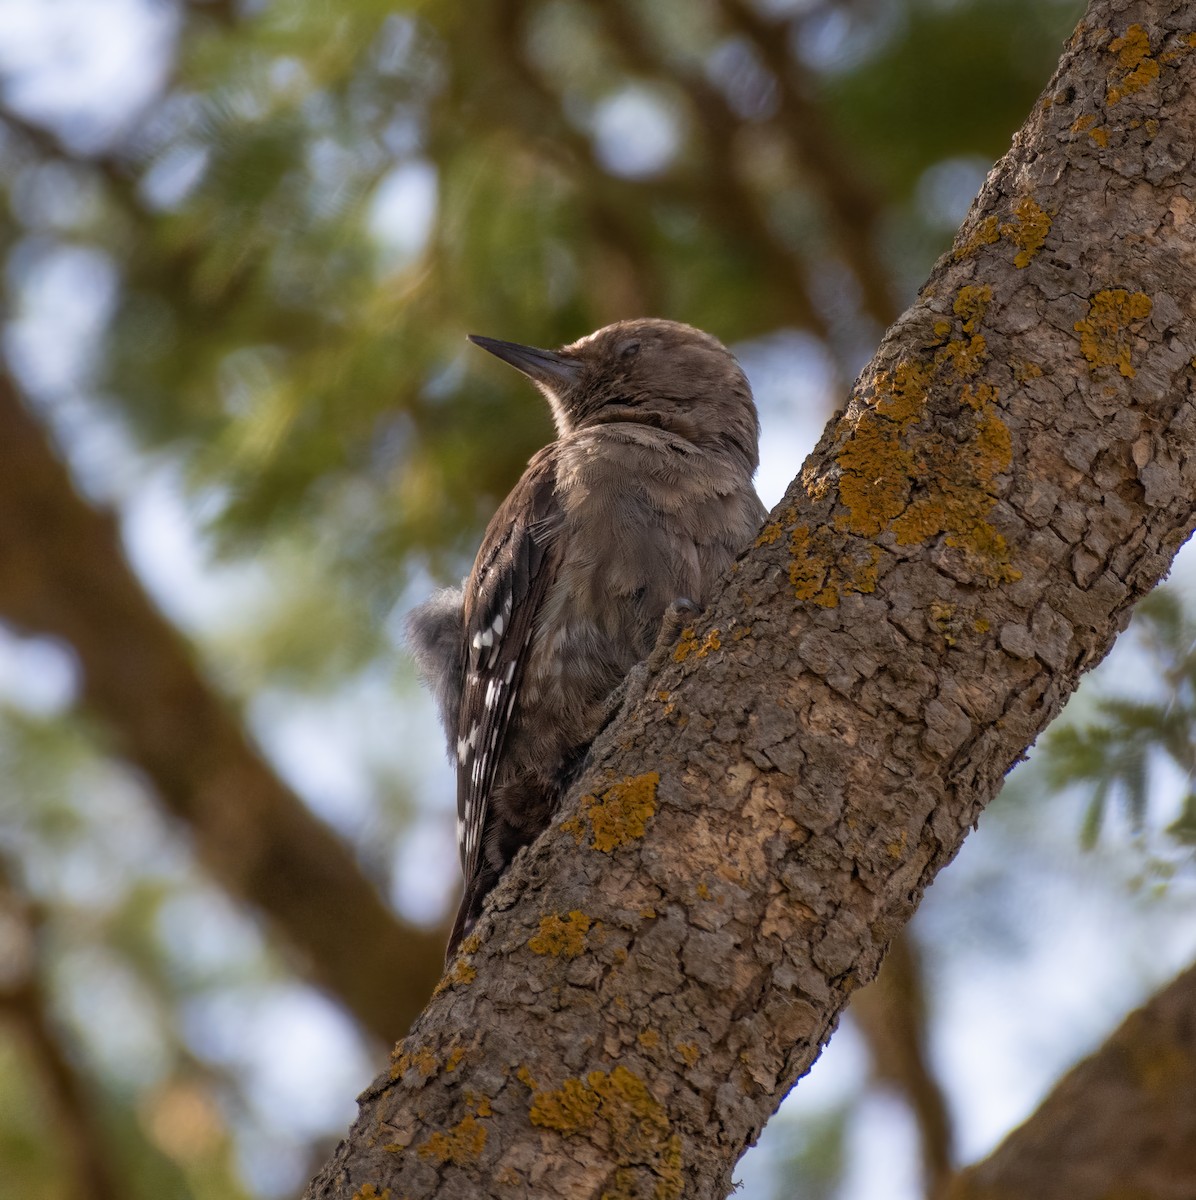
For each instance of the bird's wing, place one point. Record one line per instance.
(511, 576)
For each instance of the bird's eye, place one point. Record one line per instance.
(630, 350)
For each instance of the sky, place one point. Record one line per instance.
(1038, 978)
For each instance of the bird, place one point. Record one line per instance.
(627, 519)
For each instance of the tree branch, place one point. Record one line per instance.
(1013, 471)
(721, 190)
(891, 1014)
(1121, 1123)
(63, 574)
(23, 1003)
(852, 209)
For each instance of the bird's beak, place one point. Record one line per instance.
(545, 367)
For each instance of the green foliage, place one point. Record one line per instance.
(961, 74)
(815, 1155)
(1114, 750)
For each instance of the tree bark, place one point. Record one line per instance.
(63, 574)
(1121, 1123)
(1013, 471)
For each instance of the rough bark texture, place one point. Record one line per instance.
(63, 573)
(1120, 1124)
(1014, 469)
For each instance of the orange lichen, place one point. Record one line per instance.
(1087, 124)
(917, 483)
(960, 512)
(985, 233)
(965, 358)
(769, 533)
(977, 396)
(620, 815)
(689, 1052)
(617, 1110)
(1028, 230)
(820, 573)
(1106, 334)
(462, 971)
(461, 1145)
(561, 937)
(1133, 59)
(690, 644)
(649, 1039)
(971, 303)
(419, 1058)
(370, 1192)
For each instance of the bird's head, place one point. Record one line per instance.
(646, 371)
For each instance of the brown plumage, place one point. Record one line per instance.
(644, 499)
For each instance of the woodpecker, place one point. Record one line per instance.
(641, 502)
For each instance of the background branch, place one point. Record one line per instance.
(65, 576)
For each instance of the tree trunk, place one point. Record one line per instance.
(1012, 472)
(1121, 1123)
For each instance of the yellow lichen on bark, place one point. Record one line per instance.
(819, 571)
(690, 644)
(1105, 333)
(370, 1192)
(618, 1112)
(689, 1052)
(985, 233)
(1028, 230)
(1087, 124)
(1137, 67)
(971, 303)
(918, 483)
(875, 464)
(960, 492)
(419, 1058)
(561, 937)
(462, 971)
(620, 815)
(460, 1145)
